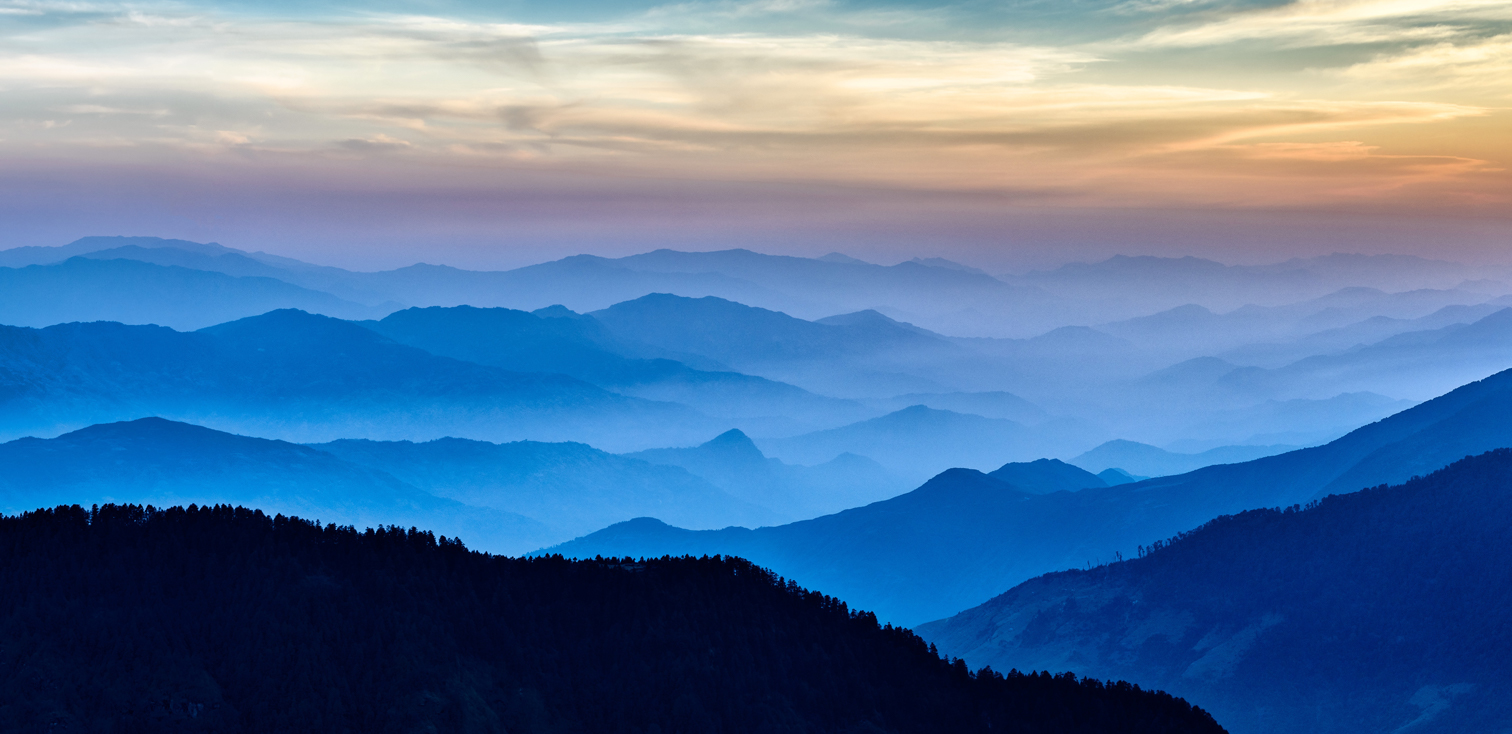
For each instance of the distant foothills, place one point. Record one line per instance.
(1247, 486)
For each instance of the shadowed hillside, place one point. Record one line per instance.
(221, 619)
(1382, 610)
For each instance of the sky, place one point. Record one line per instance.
(1006, 134)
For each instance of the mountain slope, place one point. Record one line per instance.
(225, 619)
(154, 461)
(1382, 610)
(570, 486)
(943, 547)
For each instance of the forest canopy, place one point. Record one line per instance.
(129, 618)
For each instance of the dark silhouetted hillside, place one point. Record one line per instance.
(221, 619)
(1382, 610)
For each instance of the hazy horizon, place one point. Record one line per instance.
(1009, 136)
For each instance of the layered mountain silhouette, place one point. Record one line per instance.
(130, 291)
(563, 342)
(306, 377)
(512, 497)
(886, 356)
(978, 532)
(163, 463)
(944, 293)
(1380, 610)
(733, 463)
(754, 341)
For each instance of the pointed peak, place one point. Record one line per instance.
(733, 441)
(734, 435)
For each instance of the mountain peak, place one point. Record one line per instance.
(290, 326)
(1043, 476)
(732, 437)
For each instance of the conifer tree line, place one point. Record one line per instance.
(223, 619)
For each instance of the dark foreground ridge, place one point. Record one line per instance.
(127, 619)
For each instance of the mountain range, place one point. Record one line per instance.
(964, 536)
(781, 346)
(159, 462)
(305, 377)
(504, 498)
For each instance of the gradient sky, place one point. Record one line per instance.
(1002, 133)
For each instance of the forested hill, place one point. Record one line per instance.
(127, 619)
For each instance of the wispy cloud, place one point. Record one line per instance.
(687, 90)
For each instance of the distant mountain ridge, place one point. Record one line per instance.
(134, 292)
(582, 347)
(505, 498)
(160, 462)
(307, 378)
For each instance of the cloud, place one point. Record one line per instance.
(645, 98)
(1303, 23)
